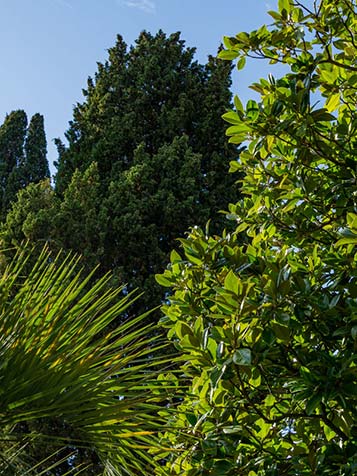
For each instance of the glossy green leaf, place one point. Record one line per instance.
(284, 5)
(242, 357)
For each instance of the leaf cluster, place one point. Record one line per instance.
(266, 315)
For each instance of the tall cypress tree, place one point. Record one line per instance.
(150, 138)
(22, 155)
(12, 137)
(147, 94)
(36, 164)
(151, 120)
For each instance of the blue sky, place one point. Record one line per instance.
(49, 47)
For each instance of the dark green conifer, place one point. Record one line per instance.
(146, 158)
(22, 155)
(36, 164)
(147, 94)
(12, 137)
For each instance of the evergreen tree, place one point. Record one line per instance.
(149, 206)
(149, 94)
(22, 155)
(32, 216)
(81, 217)
(146, 158)
(12, 137)
(36, 164)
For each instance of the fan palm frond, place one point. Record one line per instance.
(65, 365)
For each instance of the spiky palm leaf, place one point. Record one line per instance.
(60, 363)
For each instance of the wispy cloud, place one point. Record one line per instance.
(63, 3)
(147, 6)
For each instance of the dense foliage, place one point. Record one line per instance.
(267, 315)
(78, 396)
(22, 155)
(146, 158)
(264, 314)
(36, 164)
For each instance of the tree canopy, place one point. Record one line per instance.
(22, 155)
(146, 159)
(263, 313)
(36, 164)
(147, 94)
(266, 314)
